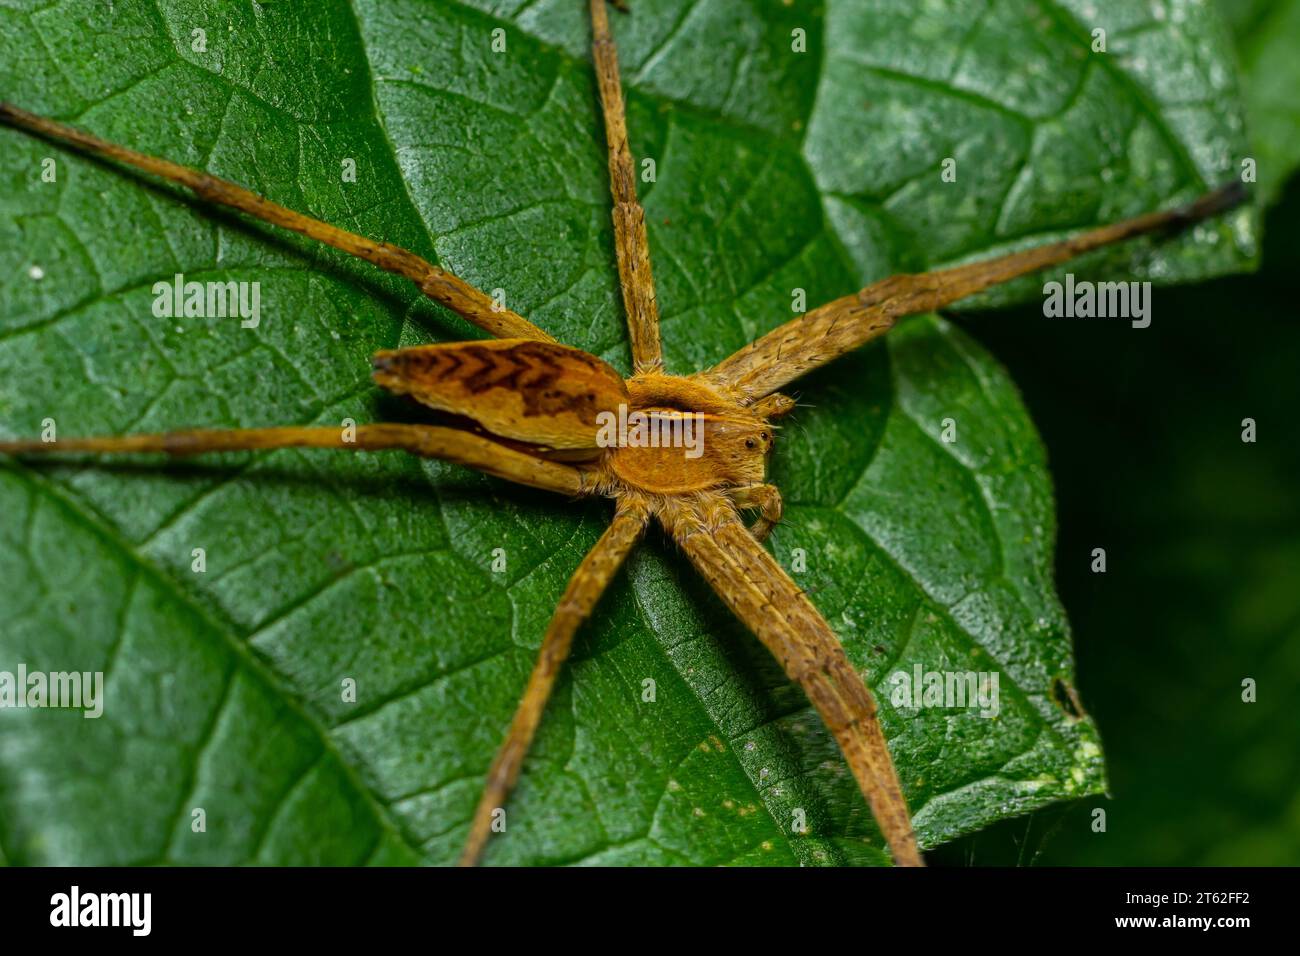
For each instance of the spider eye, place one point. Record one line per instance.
(763, 435)
(749, 443)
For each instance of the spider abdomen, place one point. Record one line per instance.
(547, 395)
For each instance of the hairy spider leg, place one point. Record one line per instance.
(630, 240)
(775, 609)
(437, 283)
(837, 328)
(426, 441)
(584, 589)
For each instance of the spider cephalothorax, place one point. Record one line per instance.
(688, 452)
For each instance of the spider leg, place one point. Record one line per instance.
(825, 333)
(629, 218)
(774, 405)
(438, 284)
(584, 590)
(427, 441)
(759, 592)
(765, 498)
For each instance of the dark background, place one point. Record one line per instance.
(1202, 588)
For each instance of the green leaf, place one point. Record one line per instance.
(1266, 32)
(776, 170)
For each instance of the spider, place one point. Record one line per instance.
(528, 409)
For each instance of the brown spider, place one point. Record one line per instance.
(529, 410)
